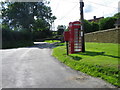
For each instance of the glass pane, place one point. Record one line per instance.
(76, 29)
(77, 47)
(77, 50)
(76, 44)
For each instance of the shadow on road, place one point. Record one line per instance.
(40, 45)
(43, 45)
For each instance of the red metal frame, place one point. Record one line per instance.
(75, 37)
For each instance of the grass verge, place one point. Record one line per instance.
(99, 60)
(51, 41)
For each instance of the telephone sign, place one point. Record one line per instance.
(73, 36)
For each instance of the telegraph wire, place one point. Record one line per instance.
(57, 6)
(68, 12)
(101, 4)
(110, 14)
(107, 6)
(92, 6)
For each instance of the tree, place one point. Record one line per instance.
(87, 26)
(117, 15)
(23, 20)
(41, 29)
(95, 26)
(61, 29)
(24, 15)
(107, 23)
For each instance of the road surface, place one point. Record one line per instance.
(34, 67)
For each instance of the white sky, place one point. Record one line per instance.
(68, 10)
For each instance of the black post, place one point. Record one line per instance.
(67, 47)
(82, 25)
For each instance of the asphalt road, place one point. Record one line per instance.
(34, 67)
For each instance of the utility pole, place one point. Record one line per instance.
(82, 25)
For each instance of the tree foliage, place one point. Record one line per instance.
(103, 24)
(60, 29)
(87, 26)
(23, 14)
(117, 15)
(107, 23)
(95, 26)
(26, 20)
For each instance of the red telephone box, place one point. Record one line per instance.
(74, 37)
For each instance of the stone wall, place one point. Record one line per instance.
(105, 36)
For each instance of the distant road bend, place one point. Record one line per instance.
(34, 67)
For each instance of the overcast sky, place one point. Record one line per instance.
(68, 10)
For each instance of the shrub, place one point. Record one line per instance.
(107, 23)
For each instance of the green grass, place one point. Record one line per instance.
(99, 60)
(51, 41)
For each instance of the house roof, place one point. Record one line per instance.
(95, 19)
